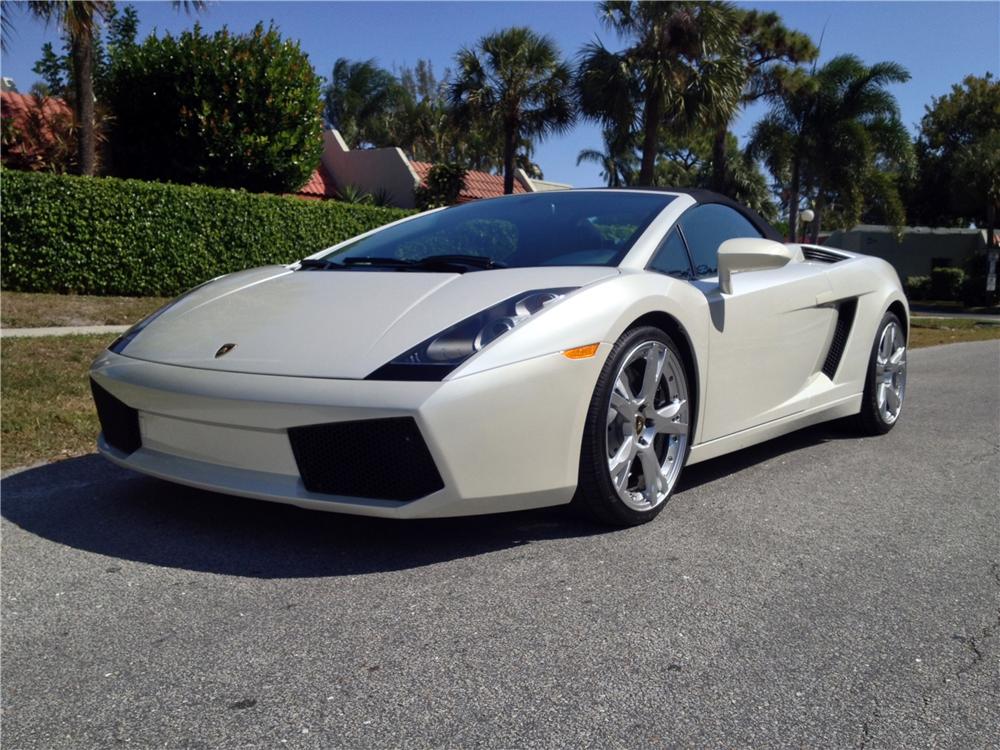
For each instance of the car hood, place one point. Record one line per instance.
(328, 324)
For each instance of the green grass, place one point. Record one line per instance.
(936, 331)
(23, 310)
(45, 393)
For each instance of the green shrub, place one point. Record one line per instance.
(946, 284)
(443, 186)
(126, 237)
(229, 110)
(917, 287)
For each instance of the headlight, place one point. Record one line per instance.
(439, 355)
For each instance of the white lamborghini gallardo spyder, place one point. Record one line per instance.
(575, 346)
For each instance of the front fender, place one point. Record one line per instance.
(601, 313)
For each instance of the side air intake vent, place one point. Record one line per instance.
(845, 319)
(820, 255)
(119, 422)
(386, 459)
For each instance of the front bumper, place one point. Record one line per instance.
(504, 439)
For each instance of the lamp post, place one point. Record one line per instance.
(805, 217)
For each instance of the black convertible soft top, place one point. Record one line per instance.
(707, 196)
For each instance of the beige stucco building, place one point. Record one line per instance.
(390, 172)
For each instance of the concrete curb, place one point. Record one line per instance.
(60, 331)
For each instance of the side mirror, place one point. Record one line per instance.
(749, 254)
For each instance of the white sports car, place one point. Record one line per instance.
(577, 346)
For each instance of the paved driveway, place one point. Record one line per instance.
(819, 590)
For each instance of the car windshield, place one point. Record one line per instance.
(558, 228)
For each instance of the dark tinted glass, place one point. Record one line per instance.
(558, 228)
(671, 257)
(707, 227)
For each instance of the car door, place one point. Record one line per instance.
(766, 339)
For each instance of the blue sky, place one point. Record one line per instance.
(938, 42)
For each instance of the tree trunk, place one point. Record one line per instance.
(814, 226)
(793, 203)
(650, 139)
(509, 148)
(82, 51)
(720, 167)
(991, 246)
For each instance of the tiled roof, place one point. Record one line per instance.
(19, 107)
(477, 184)
(320, 185)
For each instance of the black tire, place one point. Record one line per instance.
(595, 496)
(870, 420)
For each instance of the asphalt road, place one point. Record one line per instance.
(819, 590)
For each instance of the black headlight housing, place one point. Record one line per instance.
(436, 357)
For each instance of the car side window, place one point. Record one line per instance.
(671, 257)
(708, 226)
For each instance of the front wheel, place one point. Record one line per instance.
(637, 433)
(885, 385)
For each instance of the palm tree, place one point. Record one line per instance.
(617, 161)
(682, 68)
(360, 101)
(766, 48)
(831, 134)
(514, 84)
(79, 21)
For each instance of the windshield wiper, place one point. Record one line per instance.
(475, 261)
(387, 262)
(318, 263)
(459, 263)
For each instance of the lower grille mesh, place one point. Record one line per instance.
(845, 319)
(385, 459)
(119, 422)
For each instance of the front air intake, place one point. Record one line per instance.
(384, 459)
(119, 421)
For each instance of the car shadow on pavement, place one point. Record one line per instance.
(89, 504)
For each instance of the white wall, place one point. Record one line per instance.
(370, 170)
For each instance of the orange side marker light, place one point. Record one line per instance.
(581, 352)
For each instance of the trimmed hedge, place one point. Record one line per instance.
(946, 284)
(107, 236)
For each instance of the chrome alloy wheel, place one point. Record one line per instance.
(647, 427)
(890, 372)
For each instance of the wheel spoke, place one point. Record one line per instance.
(622, 387)
(672, 419)
(651, 473)
(892, 399)
(618, 406)
(619, 465)
(655, 358)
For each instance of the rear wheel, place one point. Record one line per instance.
(885, 385)
(637, 434)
